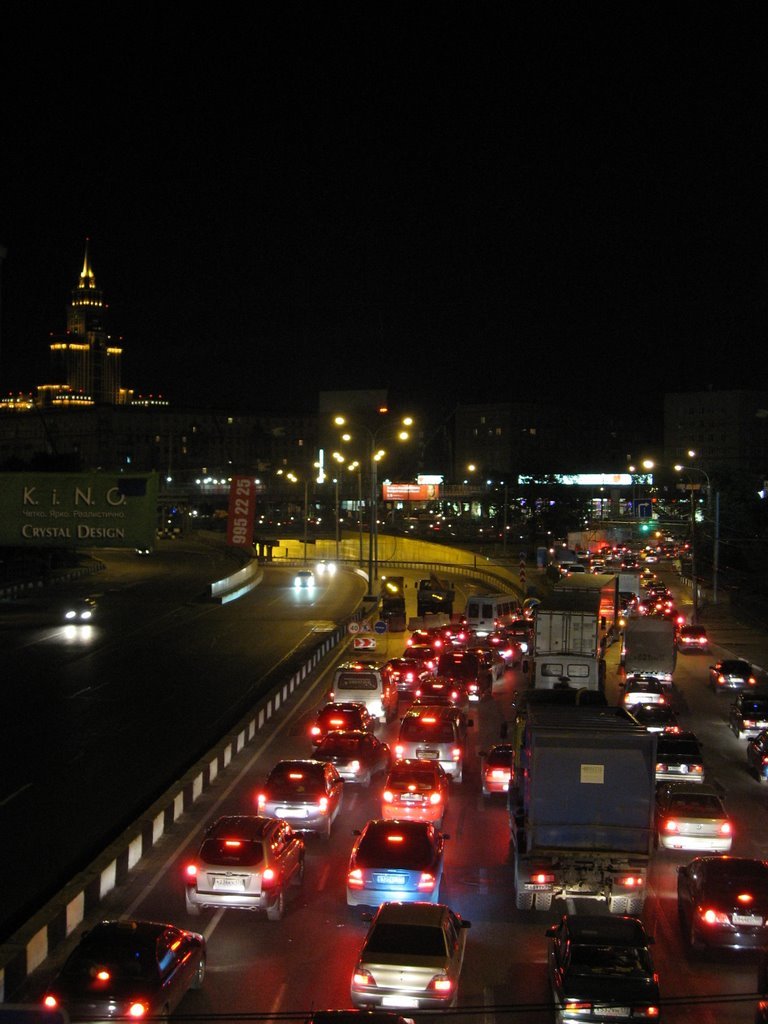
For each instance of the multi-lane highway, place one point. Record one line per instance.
(305, 961)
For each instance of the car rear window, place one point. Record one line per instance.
(424, 730)
(294, 781)
(125, 964)
(406, 939)
(388, 848)
(356, 681)
(461, 666)
(237, 852)
(418, 782)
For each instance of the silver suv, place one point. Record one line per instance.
(435, 733)
(245, 862)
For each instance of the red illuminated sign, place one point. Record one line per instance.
(242, 504)
(410, 492)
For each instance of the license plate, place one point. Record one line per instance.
(389, 879)
(535, 887)
(433, 754)
(411, 798)
(291, 812)
(752, 919)
(614, 1011)
(228, 883)
(408, 1002)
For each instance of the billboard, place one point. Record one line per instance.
(410, 492)
(79, 510)
(242, 504)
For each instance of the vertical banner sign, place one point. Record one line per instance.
(242, 502)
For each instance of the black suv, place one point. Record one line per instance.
(679, 758)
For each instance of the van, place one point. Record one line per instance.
(435, 733)
(488, 612)
(365, 683)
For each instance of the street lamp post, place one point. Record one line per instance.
(716, 530)
(336, 486)
(374, 457)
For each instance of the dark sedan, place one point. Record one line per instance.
(601, 969)
(723, 902)
(128, 969)
(749, 714)
(731, 674)
(356, 755)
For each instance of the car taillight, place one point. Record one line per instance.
(417, 693)
(764, 759)
(322, 804)
(440, 983)
(354, 766)
(51, 1002)
(435, 798)
(399, 749)
(710, 916)
(646, 1011)
(363, 977)
(725, 828)
(137, 1009)
(750, 723)
(456, 753)
(721, 680)
(426, 882)
(577, 1006)
(261, 801)
(696, 769)
(752, 681)
(500, 773)
(660, 767)
(670, 825)
(387, 796)
(268, 878)
(191, 872)
(315, 730)
(355, 879)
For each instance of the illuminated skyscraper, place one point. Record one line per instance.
(86, 364)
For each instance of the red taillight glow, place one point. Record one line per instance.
(426, 882)
(725, 828)
(631, 881)
(387, 796)
(399, 749)
(363, 977)
(435, 798)
(295, 776)
(261, 801)
(394, 838)
(440, 984)
(670, 825)
(714, 917)
(268, 876)
(51, 1002)
(233, 843)
(543, 878)
(745, 897)
(429, 719)
(315, 730)
(322, 804)
(191, 871)
(456, 753)
(137, 1009)
(355, 879)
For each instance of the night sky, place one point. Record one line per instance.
(461, 203)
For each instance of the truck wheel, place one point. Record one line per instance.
(617, 904)
(524, 900)
(543, 900)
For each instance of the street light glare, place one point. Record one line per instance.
(648, 463)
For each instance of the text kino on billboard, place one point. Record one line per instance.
(77, 509)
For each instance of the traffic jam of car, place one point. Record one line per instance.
(404, 730)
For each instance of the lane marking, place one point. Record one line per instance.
(7, 800)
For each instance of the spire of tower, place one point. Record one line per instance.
(87, 280)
